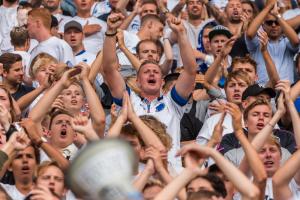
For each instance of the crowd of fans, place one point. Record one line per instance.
(206, 93)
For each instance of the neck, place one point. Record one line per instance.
(20, 48)
(83, 14)
(24, 188)
(12, 87)
(43, 36)
(195, 22)
(250, 136)
(150, 97)
(76, 50)
(9, 5)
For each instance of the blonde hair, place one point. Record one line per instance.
(40, 60)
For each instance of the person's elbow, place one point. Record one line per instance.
(250, 34)
(253, 193)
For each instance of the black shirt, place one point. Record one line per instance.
(22, 90)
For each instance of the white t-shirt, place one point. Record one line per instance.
(135, 25)
(25, 60)
(13, 192)
(84, 56)
(130, 41)
(100, 8)
(62, 19)
(92, 43)
(57, 48)
(168, 111)
(8, 20)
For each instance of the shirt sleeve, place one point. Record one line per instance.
(253, 44)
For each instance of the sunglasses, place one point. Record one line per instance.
(271, 22)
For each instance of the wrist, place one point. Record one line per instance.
(111, 32)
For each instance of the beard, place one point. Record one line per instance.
(194, 17)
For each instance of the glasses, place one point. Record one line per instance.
(271, 22)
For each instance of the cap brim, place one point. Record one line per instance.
(213, 33)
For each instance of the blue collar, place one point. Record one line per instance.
(81, 52)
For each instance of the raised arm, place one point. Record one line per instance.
(239, 180)
(258, 20)
(136, 63)
(294, 22)
(288, 31)
(219, 15)
(35, 137)
(127, 21)
(215, 66)
(96, 110)
(166, 65)
(41, 109)
(270, 66)
(185, 83)
(251, 157)
(112, 76)
(96, 67)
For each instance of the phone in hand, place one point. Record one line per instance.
(75, 71)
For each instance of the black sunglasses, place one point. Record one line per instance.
(271, 22)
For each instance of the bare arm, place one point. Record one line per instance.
(166, 65)
(114, 79)
(96, 67)
(27, 99)
(258, 20)
(185, 83)
(132, 15)
(294, 22)
(219, 15)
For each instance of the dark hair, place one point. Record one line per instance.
(150, 2)
(158, 44)
(24, 5)
(151, 17)
(8, 59)
(253, 6)
(243, 60)
(216, 183)
(19, 35)
(55, 114)
(203, 194)
(138, 46)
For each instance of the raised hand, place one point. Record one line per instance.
(228, 46)
(68, 77)
(83, 125)
(155, 156)
(85, 70)
(58, 104)
(5, 117)
(285, 87)
(120, 37)
(176, 24)
(218, 130)
(114, 21)
(130, 111)
(236, 114)
(31, 130)
(19, 140)
(263, 39)
(42, 193)
(280, 104)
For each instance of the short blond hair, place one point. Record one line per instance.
(40, 60)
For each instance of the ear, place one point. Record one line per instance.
(4, 73)
(138, 83)
(244, 104)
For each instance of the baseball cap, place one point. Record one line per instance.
(73, 24)
(256, 89)
(219, 30)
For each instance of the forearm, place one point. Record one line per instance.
(271, 68)
(128, 20)
(239, 180)
(178, 8)
(147, 134)
(295, 91)
(27, 99)
(115, 129)
(172, 189)
(260, 139)
(216, 13)
(213, 69)
(55, 155)
(96, 110)
(258, 20)
(136, 63)
(121, 5)
(96, 67)
(289, 32)
(294, 22)
(39, 111)
(140, 182)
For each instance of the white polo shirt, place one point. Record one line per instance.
(168, 109)
(57, 48)
(13, 192)
(84, 56)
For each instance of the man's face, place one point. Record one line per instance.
(53, 178)
(217, 43)
(32, 27)
(134, 143)
(257, 118)
(148, 50)
(270, 156)
(83, 5)
(51, 5)
(15, 73)
(272, 27)
(156, 30)
(61, 132)
(205, 39)
(199, 184)
(23, 165)
(246, 67)
(148, 8)
(74, 37)
(248, 9)
(150, 79)
(235, 89)
(194, 9)
(234, 10)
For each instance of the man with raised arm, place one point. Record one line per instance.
(167, 108)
